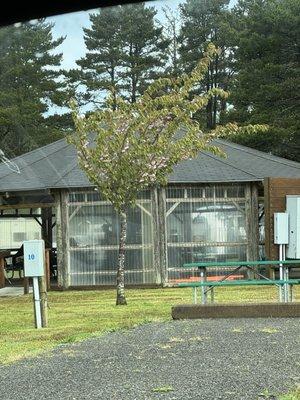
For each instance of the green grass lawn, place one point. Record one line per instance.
(294, 395)
(75, 315)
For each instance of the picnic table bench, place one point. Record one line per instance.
(284, 284)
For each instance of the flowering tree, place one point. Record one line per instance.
(135, 146)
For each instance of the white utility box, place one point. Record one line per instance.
(281, 228)
(293, 209)
(34, 258)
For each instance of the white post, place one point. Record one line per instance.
(37, 302)
(281, 237)
(34, 267)
(286, 278)
(281, 275)
(203, 288)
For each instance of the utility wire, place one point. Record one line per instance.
(10, 164)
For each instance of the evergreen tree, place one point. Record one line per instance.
(205, 21)
(125, 51)
(172, 29)
(267, 60)
(144, 49)
(29, 87)
(100, 68)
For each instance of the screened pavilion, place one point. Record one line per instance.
(211, 210)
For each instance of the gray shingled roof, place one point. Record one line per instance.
(55, 166)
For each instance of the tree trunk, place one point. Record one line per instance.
(215, 78)
(214, 116)
(209, 107)
(121, 300)
(113, 86)
(133, 92)
(209, 114)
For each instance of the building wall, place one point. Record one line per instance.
(15, 230)
(206, 223)
(167, 228)
(276, 190)
(93, 241)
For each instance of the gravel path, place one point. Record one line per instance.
(180, 360)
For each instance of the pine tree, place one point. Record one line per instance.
(144, 49)
(125, 51)
(29, 87)
(172, 29)
(205, 21)
(267, 60)
(100, 68)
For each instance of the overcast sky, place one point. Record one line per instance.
(70, 26)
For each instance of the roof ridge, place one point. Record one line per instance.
(260, 153)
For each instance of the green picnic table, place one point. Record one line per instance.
(285, 285)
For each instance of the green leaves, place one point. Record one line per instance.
(126, 50)
(267, 65)
(135, 146)
(204, 22)
(29, 85)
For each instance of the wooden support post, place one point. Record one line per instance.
(47, 268)
(162, 235)
(156, 241)
(252, 228)
(254, 222)
(26, 285)
(49, 259)
(2, 276)
(268, 220)
(47, 226)
(43, 298)
(248, 219)
(62, 239)
(269, 227)
(44, 225)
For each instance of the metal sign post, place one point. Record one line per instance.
(287, 291)
(37, 302)
(281, 289)
(281, 237)
(34, 261)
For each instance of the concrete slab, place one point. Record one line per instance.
(233, 310)
(12, 291)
